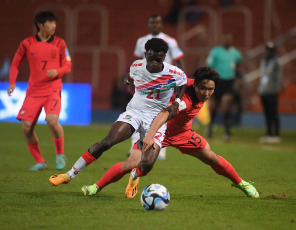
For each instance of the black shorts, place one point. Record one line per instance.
(224, 87)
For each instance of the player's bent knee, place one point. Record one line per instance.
(145, 166)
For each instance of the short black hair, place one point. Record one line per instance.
(157, 45)
(206, 72)
(153, 16)
(43, 17)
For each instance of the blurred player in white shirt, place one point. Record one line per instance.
(173, 56)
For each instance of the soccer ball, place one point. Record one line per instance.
(155, 197)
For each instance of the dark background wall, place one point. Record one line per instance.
(101, 36)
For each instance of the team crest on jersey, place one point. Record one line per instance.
(23, 111)
(128, 117)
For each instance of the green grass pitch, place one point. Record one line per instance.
(200, 199)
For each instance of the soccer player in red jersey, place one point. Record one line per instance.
(179, 135)
(49, 60)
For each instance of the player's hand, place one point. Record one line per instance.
(128, 80)
(10, 89)
(52, 73)
(147, 143)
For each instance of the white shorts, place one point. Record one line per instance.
(141, 124)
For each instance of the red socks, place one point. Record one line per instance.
(224, 168)
(139, 173)
(59, 145)
(88, 157)
(36, 153)
(113, 174)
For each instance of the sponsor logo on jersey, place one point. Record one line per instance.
(176, 72)
(163, 83)
(67, 55)
(135, 65)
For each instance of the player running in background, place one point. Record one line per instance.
(174, 55)
(49, 60)
(179, 135)
(154, 82)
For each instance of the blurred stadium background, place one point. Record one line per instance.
(101, 36)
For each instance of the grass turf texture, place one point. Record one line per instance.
(200, 199)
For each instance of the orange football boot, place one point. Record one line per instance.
(58, 179)
(132, 187)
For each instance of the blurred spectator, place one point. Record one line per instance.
(225, 60)
(269, 87)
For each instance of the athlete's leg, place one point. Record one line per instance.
(32, 141)
(226, 105)
(54, 126)
(115, 173)
(57, 133)
(218, 163)
(214, 104)
(148, 159)
(224, 168)
(119, 132)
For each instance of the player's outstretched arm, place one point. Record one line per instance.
(161, 118)
(174, 107)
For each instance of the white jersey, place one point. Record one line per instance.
(153, 91)
(174, 53)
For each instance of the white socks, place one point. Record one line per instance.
(77, 167)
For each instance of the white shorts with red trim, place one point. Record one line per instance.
(141, 123)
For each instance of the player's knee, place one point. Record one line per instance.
(52, 123)
(28, 128)
(145, 166)
(212, 159)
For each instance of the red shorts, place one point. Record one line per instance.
(187, 142)
(32, 106)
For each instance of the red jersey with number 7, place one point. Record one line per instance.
(42, 56)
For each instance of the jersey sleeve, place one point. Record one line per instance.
(190, 82)
(239, 56)
(181, 78)
(211, 58)
(185, 104)
(18, 58)
(176, 52)
(65, 60)
(132, 71)
(138, 53)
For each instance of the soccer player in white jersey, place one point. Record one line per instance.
(173, 56)
(154, 82)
